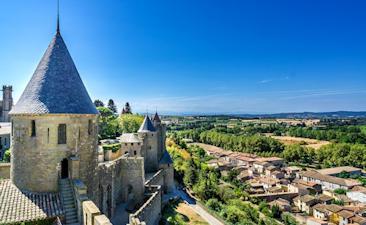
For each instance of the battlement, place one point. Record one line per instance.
(7, 87)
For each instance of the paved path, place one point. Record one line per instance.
(198, 209)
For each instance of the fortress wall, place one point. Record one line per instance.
(157, 179)
(118, 180)
(4, 170)
(150, 212)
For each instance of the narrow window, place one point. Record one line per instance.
(48, 135)
(33, 132)
(134, 152)
(5, 141)
(62, 134)
(12, 127)
(90, 127)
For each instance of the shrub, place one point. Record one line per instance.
(113, 147)
(214, 204)
(7, 156)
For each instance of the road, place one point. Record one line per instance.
(198, 209)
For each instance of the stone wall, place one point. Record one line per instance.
(4, 170)
(92, 215)
(36, 159)
(119, 181)
(150, 211)
(163, 177)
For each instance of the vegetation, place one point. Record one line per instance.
(130, 123)
(6, 157)
(341, 134)
(112, 147)
(112, 106)
(108, 123)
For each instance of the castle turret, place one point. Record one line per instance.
(55, 125)
(161, 131)
(148, 134)
(7, 103)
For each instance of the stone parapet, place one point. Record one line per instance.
(5, 170)
(150, 211)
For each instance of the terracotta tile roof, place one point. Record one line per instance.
(345, 214)
(17, 206)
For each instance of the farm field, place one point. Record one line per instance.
(312, 143)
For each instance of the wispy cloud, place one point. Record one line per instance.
(265, 81)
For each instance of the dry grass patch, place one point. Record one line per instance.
(307, 142)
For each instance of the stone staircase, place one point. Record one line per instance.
(68, 201)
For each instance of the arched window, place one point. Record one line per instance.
(62, 134)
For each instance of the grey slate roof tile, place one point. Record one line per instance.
(55, 86)
(147, 125)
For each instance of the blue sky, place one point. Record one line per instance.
(199, 56)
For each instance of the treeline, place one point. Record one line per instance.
(250, 144)
(340, 134)
(258, 144)
(331, 155)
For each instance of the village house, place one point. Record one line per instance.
(357, 193)
(283, 204)
(328, 182)
(303, 188)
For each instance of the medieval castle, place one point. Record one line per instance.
(57, 169)
(6, 103)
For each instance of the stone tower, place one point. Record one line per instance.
(148, 134)
(161, 131)
(54, 125)
(7, 103)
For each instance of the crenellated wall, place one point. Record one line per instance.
(119, 181)
(150, 211)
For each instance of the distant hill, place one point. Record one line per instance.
(305, 115)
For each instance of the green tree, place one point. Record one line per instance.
(108, 124)
(112, 106)
(130, 123)
(98, 103)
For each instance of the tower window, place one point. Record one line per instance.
(134, 152)
(62, 134)
(90, 127)
(48, 135)
(33, 128)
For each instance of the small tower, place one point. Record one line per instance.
(7, 103)
(148, 134)
(161, 130)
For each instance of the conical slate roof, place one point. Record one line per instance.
(166, 159)
(55, 87)
(156, 118)
(147, 125)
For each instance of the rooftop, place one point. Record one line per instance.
(330, 179)
(337, 170)
(55, 87)
(17, 206)
(130, 138)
